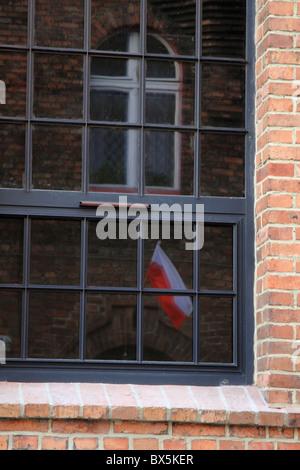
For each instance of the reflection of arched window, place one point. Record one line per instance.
(117, 97)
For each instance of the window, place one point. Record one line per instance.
(150, 100)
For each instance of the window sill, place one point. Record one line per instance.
(210, 405)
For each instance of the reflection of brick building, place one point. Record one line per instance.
(66, 297)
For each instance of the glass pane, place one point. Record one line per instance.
(167, 264)
(58, 86)
(170, 96)
(53, 331)
(216, 330)
(13, 66)
(176, 20)
(10, 321)
(224, 28)
(108, 67)
(159, 69)
(55, 252)
(56, 158)
(169, 162)
(222, 165)
(12, 155)
(109, 105)
(216, 258)
(11, 251)
(113, 159)
(59, 23)
(13, 22)
(111, 263)
(223, 95)
(111, 21)
(115, 94)
(167, 331)
(111, 327)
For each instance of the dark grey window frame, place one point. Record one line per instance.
(238, 212)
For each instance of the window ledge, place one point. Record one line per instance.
(209, 405)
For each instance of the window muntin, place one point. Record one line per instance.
(56, 78)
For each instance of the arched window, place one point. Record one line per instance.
(115, 86)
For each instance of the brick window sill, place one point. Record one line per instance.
(231, 405)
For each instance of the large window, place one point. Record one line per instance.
(148, 99)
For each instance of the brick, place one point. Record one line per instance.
(260, 445)
(79, 426)
(198, 430)
(131, 427)
(153, 402)
(116, 443)
(94, 401)
(54, 443)
(36, 400)
(232, 445)
(25, 443)
(204, 444)
(288, 446)
(174, 444)
(25, 425)
(65, 400)
(145, 444)
(3, 443)
(85, 443)
(123, 406)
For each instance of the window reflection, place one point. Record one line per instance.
(111, 327)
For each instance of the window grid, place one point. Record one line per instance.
(71, 209)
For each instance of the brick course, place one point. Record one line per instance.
(161, 418)
(277, 208)
(263, 417)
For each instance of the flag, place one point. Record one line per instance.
(162, 274)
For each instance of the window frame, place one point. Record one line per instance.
(239, 212)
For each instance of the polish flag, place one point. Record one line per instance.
(162, 274)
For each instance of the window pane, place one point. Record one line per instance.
(53, 325)
(170, 96)
(111, 263)
(13, 22)
(169, 162)
(10, 321)
(177, 21)
(58, 86)
(224, 28)
(216, 330)
(222, 165)
(57, 158)
(11, 251)
(158, 259)
(223, 95)
(113, 158)
(115, 94)
(12, 155)
(109, 105)
(216, 258)
(167, 333)
(55, 252)
(109, 16)
(108, 67)
(111, 327)
(59, 23)
(13, 66)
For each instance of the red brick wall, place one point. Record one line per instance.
(277, 201)
(124, 417)
(164, 418)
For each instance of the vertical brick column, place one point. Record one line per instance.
(278, 201)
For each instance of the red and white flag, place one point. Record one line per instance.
(162, 274)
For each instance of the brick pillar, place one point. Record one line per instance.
(278, 201)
